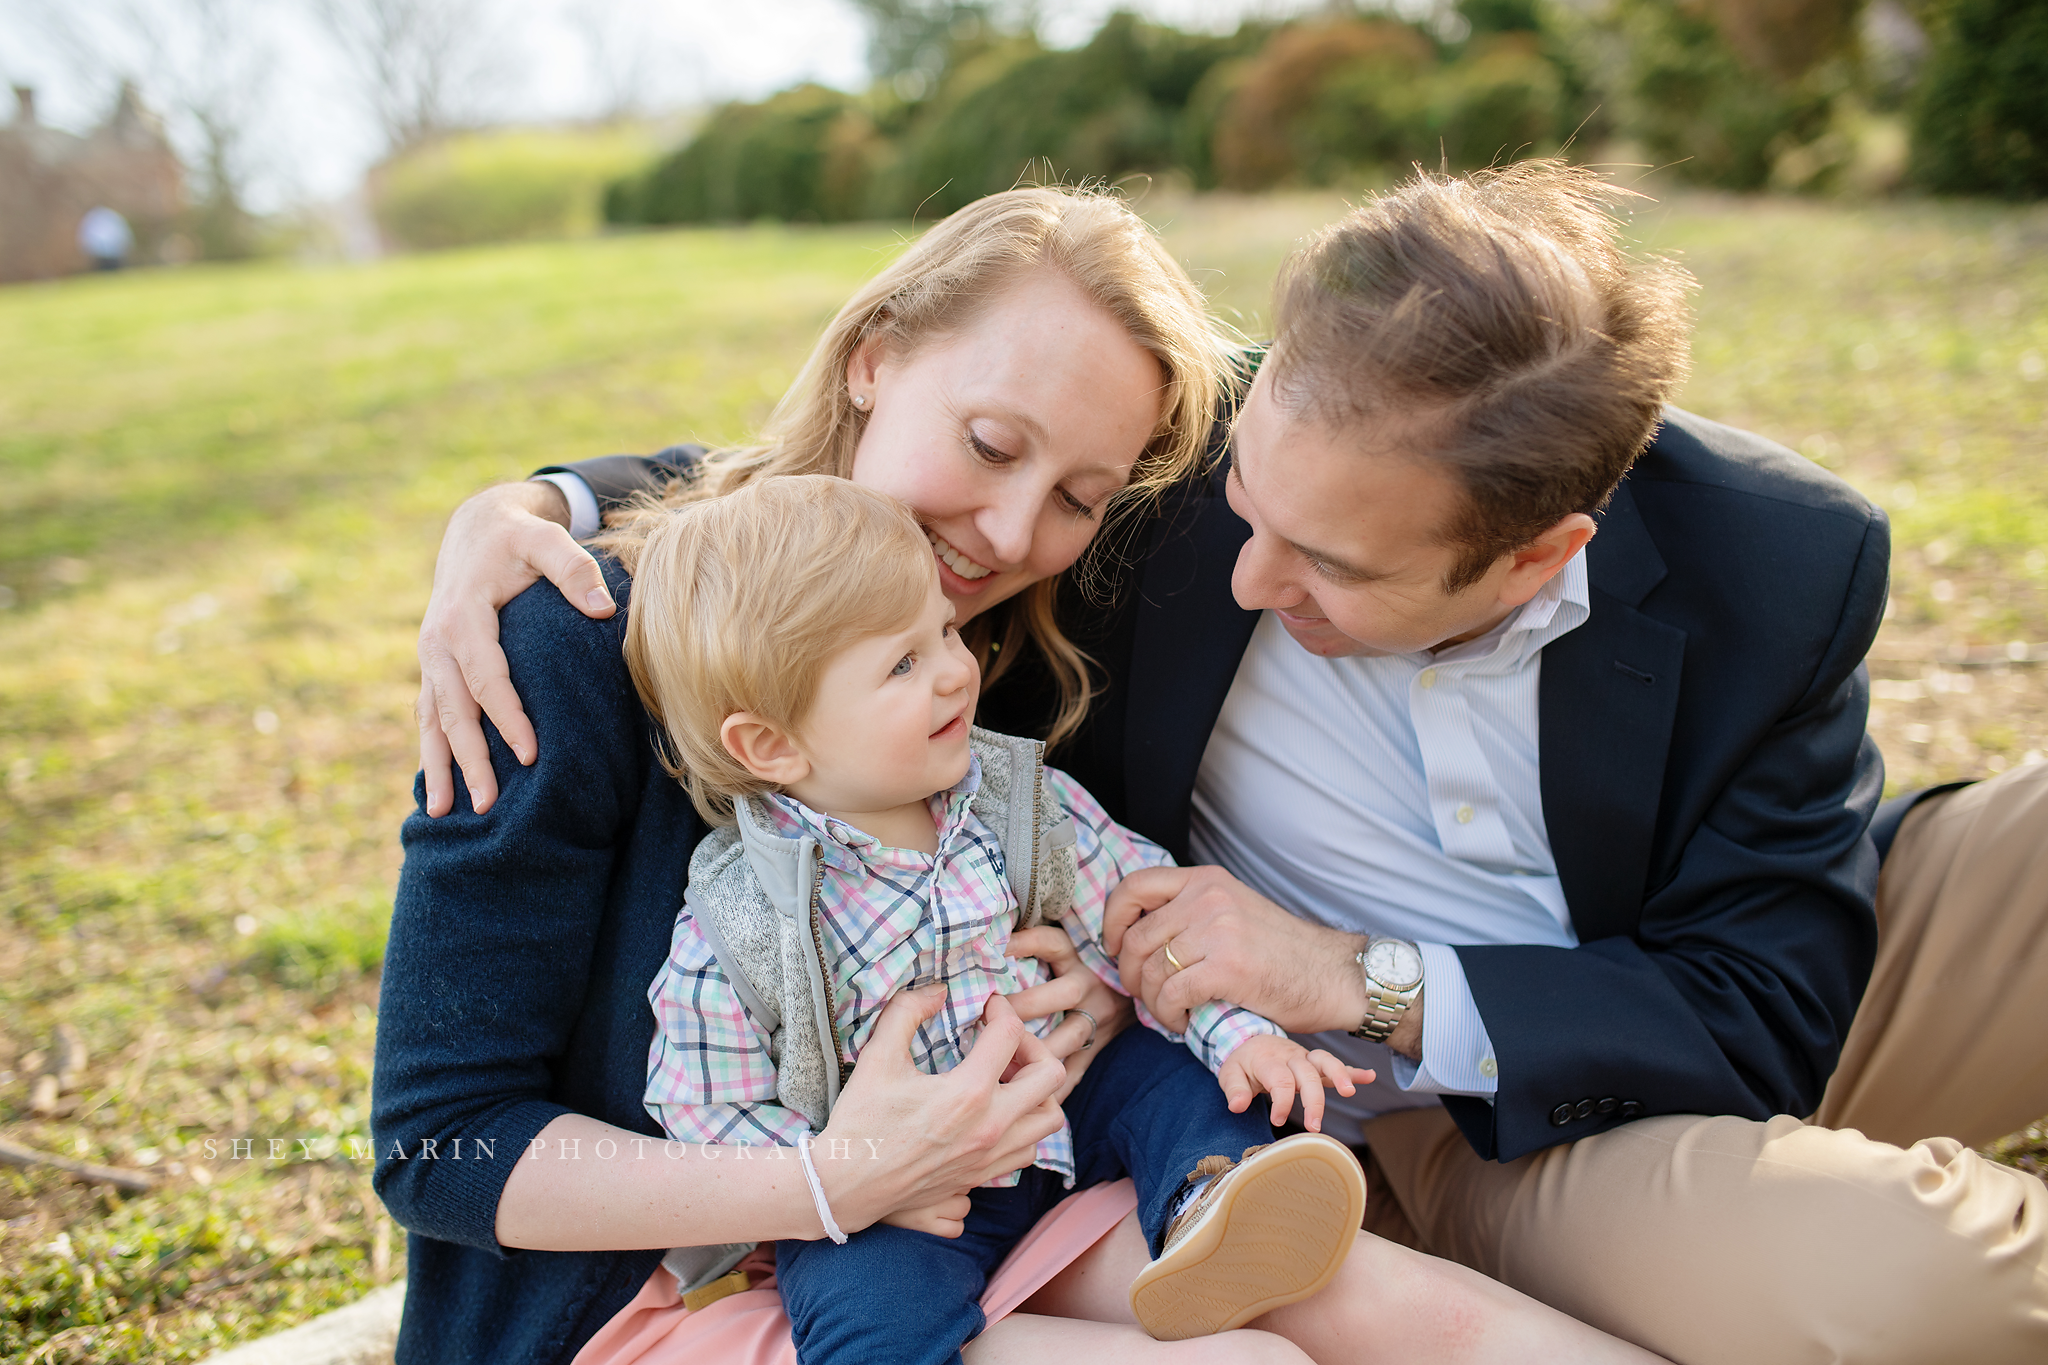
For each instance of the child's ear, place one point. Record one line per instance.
(763, 749)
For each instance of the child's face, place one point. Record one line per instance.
(890, 722)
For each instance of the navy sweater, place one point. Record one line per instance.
(515, 989)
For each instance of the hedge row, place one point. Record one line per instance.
(1739, 94)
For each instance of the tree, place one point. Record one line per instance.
(913, 39)
(421, 63)
(621, 60)
(206, 65)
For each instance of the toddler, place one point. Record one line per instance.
(792, 643)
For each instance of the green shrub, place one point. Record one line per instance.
(1502, 100)
(1715, 114)
(1077, 113)
(501, 186)
(1005, 109)
(1321, 98)
(1325, 103)
(805, 154)
(1980, 115)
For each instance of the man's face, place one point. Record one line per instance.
(1343, 546)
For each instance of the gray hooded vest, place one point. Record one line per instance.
(754, 896)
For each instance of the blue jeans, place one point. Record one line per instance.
(1146, 1108)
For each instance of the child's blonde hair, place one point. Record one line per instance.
(939, 285)
(740, 601)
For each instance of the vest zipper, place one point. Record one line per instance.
(825, 972)
(1037, 819)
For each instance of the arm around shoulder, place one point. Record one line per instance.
(496, 917)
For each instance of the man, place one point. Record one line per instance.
(1490, 680)
(1516, 725)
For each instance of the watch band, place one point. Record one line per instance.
(1386, 1006)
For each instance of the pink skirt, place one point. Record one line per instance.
(748, 1328)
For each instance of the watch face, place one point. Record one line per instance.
(1394, 963)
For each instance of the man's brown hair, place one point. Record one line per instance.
(1497, 321)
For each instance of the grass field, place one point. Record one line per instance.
(220, 491)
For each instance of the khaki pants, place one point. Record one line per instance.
(1870, 1234)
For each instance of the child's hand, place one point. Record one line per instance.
(947, 1218)
(1280, 1067)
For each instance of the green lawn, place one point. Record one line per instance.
(220, 491)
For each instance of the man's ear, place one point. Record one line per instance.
(1543, 558)
(763, 749)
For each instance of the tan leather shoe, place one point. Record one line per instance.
(1268, 1230)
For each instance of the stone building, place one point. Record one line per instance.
(49, 178)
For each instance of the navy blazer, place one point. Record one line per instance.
(1707, 783)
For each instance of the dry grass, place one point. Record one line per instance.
(221, 493)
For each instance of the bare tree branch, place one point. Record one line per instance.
(420, 63)
(204, 64)
(619, 53)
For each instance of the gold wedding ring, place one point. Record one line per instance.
(1173, 961)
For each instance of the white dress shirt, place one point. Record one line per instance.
(585, 520)
(1397, 794)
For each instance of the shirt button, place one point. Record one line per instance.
(1428, 678)
(1489, 1068)
(1464, 815)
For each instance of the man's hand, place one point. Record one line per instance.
(1232, 944)
(497, 544)
(1282, 1067)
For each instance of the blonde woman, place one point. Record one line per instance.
(1032, 370)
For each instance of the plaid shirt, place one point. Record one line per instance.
(895, 918)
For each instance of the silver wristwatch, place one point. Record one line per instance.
(1393, 982)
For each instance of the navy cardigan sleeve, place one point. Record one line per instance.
(522, 944)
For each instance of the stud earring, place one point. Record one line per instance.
(860, 400)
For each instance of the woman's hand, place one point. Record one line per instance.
(900, 1140)
(1075, 989)
(497, 544)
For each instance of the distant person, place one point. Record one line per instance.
(104, 236)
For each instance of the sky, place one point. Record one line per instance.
(311, 137)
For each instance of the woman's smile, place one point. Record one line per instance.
(949, 555)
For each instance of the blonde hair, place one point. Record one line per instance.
(739, 602)
(937, 287)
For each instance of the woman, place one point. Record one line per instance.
(1034, 367)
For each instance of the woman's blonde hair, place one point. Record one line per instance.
(740, 602)
(937, 287)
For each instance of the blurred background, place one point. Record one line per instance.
(228, 128)
(287, 279)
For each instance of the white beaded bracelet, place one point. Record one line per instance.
(803, 1150)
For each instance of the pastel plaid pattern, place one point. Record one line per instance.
(896, 918)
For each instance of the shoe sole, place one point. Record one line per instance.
(1280, 1232)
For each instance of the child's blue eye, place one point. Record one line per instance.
(902, 668)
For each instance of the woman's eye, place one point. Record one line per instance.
(903, 666)
(988, 452)
(1075, 505)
